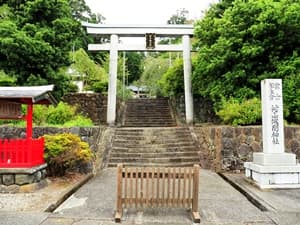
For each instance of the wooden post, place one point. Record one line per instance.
(119, 210)
(195, 212)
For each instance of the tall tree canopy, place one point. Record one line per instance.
(35, 39)
(134, 65)
(244, 42)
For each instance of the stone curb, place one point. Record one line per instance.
(68, 193)
(250, 196)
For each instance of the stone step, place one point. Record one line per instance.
(150, 120)
(147, 101)
(154, 159)
(150, 149)
(138, 134)
(153, 164)
(159, 136)
(156, 136)
(153, 155)
(158, 145)
(153, 130)
(152, 139)
(149, 125)
(156, 116)
(148, 113)
(134, 108)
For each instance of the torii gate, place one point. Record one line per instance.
(150, 32)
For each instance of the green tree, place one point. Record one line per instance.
(172, 82)
(244, 42)
(6, 80)
(35, 41)
(134, 65)
(82, 12)
(180, 17)
(154, 68)
(94, 76)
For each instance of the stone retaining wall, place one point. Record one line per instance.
(227, 148)
(87, 134)
(92, 105)
(203, 110)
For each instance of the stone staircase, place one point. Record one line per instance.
(168, 147)
(148, 113)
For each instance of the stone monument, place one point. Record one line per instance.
(273, 168)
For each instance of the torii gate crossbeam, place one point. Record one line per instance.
(115, 31)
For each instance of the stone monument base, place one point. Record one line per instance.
(13, 180)
(277, 170)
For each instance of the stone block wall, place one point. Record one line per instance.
(92, 105)
(227, 148)
(90, 135)
(203, 110)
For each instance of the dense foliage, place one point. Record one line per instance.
(134, 65)
(154, 68)
(94, 77)
(35, 39)
(240, 113)
(171, 83)
(243, 42)
(64, 152)
(60, 115)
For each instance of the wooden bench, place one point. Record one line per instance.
(141, 187)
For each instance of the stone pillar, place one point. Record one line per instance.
(272, 116)
(187, 67)
(273, 168)
(112, 85)
(272, 126)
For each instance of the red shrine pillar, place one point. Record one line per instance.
(29, 121)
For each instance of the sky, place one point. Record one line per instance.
(146, 11)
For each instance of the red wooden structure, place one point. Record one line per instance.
(29, 152)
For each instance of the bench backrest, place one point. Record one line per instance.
(141, 187)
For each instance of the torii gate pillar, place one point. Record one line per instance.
(112, 85)
(187, 68)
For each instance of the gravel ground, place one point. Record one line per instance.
(39, 200)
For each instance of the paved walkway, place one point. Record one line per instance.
(94, 204)
(282, 205)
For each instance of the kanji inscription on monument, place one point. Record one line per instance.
(272, 116)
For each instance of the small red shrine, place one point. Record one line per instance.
(28, 152)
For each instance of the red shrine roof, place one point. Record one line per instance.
(28, 95)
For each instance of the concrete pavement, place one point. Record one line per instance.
(219, 204)
(282, 205)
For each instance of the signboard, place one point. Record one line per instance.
(10, 110)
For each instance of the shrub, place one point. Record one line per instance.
(79, 121)
(235, 113)
(60, 114)
(65, 152)
(40, 115)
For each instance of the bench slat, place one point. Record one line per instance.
(141, 187)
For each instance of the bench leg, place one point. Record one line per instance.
(119, 210)
(196, 217)
(118, 216)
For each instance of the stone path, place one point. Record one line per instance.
(219, 203)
